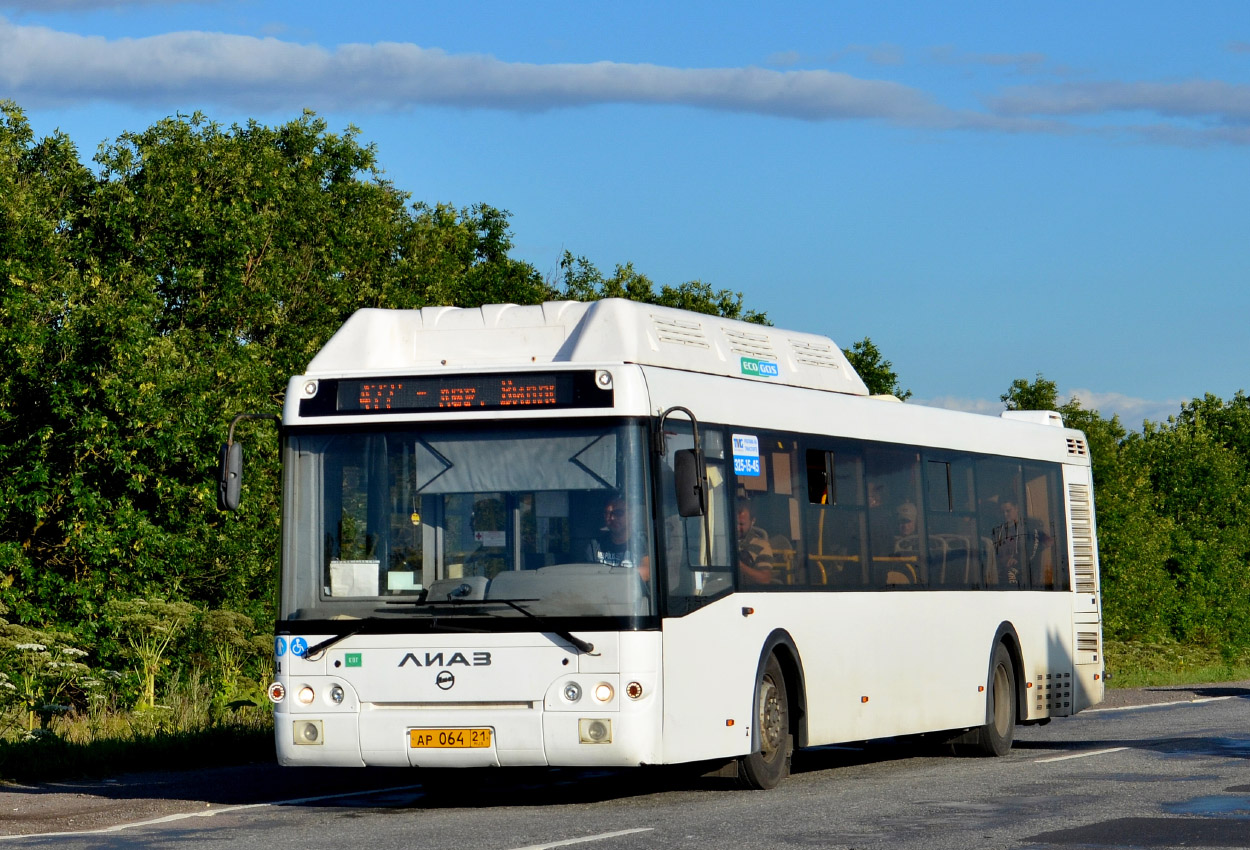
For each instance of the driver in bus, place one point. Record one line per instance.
(755, 552)
(620, 545)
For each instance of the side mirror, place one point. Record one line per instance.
(230, 476)
(688, 474)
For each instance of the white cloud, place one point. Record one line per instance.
(1202, 111)
(45, 66)
(41, 67)
(967, 405)
(1132, 411)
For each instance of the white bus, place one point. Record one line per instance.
(617, 534)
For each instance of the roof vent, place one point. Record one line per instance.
(680, 331)
(750, 344)
(1077, 447)
(814, 354)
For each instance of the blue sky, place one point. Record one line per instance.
(987, 191)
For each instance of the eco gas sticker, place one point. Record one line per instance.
(351, 659)
(298, 647)
(279, 646)
(759, 368)
(746, 457)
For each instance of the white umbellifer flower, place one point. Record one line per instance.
(73, 652)
(33, 647)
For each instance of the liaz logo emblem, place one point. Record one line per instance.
(442, 659)
(759, 368)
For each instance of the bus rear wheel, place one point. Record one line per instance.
(996, 736)
(767, 766)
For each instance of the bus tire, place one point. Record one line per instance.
(766, 767)
(996, 736)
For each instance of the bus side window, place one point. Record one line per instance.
(895, 522)
(835, 522)
(950, 519)
(1000, 505)
(1044, 529)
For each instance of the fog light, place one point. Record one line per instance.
(572, 691)
(308, 731)
(306, 695)
(592, 731)
(603, 692)
(276, 692)
(336, 694)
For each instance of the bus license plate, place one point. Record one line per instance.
(449, 738)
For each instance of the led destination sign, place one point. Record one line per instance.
(431, 393)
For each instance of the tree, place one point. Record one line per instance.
(582, 281)
(877, 372)
(1041, 394)
(183, 282)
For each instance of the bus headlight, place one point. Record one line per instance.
(336, 694)
(603, 692)
(306, 695)
(572, 691)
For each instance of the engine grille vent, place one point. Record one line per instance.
(1054, 693)
(1082, 538)
(1077, 447)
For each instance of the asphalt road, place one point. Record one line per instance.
(1152, 768)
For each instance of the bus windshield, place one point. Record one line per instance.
(466, 520)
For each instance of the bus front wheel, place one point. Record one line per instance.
(996, 736)
(767, 766)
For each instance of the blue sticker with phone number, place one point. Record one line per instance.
(746, 448)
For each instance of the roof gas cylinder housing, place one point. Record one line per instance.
(375, 341)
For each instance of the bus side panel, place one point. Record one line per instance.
(903, 662)
(875, 665)
(710, 660)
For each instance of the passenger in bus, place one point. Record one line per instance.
(1018, 541)
(755, 552)
(619, 544)
(906, 533)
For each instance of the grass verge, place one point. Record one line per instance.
(1133, 664)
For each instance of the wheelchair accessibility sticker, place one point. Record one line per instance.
(746, 449)
(298, 647)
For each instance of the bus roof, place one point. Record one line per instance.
(433, 339)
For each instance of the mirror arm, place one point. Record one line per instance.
(235, 421)
(698, 448)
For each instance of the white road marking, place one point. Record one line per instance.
(1080, 755)
(1156, 704)
(208, 813)
(600, 837)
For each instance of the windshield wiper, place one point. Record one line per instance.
(583, 645)
(318, 648)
